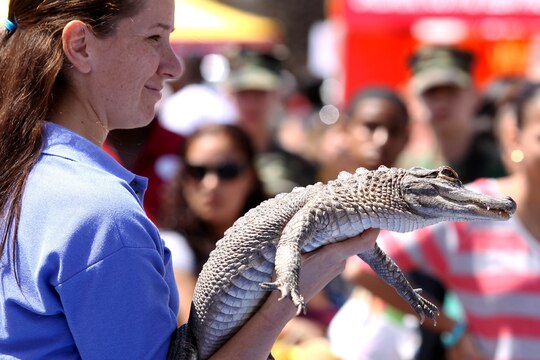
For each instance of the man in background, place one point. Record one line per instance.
(254, 85)
(443, 89)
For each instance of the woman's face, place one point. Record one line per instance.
(529, 139)
(131, 66)
(217, 179)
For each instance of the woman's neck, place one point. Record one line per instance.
(71, 113)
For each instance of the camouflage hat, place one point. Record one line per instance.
(254, 71)
(440, 65)
(253, 78)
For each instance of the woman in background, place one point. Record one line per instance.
(217, 183)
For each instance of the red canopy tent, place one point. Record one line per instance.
(379, 35)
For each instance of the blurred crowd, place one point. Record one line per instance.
(221, 144)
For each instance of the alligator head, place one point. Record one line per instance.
(438, 195)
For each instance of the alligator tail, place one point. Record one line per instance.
(182, 345)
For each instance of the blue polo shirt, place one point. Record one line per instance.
(96, 280)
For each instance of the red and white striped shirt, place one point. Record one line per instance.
(494, 269)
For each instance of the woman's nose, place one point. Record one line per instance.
(171, 65)
(210, 180)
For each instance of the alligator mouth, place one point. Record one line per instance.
(503, 209)
(480, 205)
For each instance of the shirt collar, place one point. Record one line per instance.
(62, 142)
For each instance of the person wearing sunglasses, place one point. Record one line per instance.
(216, 184)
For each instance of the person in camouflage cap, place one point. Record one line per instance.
(254, 84)
(441, 65)
(442, 82)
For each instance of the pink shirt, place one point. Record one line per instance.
(494, 269)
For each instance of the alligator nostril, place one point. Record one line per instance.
(513, 204)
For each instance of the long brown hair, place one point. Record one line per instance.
(31, 77)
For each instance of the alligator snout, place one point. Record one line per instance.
(512, 205)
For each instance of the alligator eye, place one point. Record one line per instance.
(448, 173)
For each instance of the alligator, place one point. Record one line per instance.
(236, 279)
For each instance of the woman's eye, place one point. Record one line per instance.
(155, 37)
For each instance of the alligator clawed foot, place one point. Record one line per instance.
(287, 290)
(298, 301)
(271, 286)
(426, 308)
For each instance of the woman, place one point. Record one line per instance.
(493, 267)
(84, 272)
(216, 185)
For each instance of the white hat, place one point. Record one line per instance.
(193, 106)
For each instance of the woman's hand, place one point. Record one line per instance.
(323, 265)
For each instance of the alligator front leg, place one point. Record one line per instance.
(287, 268)
(387, 270)
(288, 257)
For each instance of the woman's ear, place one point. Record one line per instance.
(75, 41)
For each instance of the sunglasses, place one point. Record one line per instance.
(224, 171)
